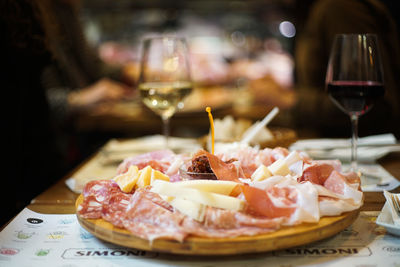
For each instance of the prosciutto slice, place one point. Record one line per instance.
(227, 224)
(296, 202)
(159, 160)
(147, 219)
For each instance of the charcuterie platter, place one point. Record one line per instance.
(237, 200)
(284, 238)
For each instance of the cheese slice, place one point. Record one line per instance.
(157, 175)
(293, 157)
(279, 167)
(210, 199)
(212, 186)
(190, 208)
(127, 180)
(261, 173)
(144, 177)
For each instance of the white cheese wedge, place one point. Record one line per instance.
(212, 186)
(261, 173)
(293, 157)
(127, 180)
(210, 199)
(279, 167)
(190, 208)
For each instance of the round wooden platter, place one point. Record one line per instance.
(283, 238)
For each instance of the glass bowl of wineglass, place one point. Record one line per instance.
(164, 79)
(354, 78)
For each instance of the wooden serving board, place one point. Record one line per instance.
(284, 238)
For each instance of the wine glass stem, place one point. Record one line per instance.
(165, 121)
(354, 140)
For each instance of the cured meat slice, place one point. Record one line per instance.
(221, 169)
(101, 189)
(330, 206)
(96, 194)
(149, 220)
(90, 208)
(260, 203)
(319, 171)
(159, 160)
(279, 153)
(227, 223)
(339, 184)
(114, 210)
(287, 192)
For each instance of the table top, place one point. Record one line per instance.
(59, 199)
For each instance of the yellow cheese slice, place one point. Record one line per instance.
(210, 199)
(157, 175)
(127, 180)
(144, 177)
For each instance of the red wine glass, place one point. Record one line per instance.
(354, 79)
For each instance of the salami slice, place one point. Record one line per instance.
(90, 208)
(102, 190)
(149, 220)
(114, 210)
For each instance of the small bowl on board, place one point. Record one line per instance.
(186, 175)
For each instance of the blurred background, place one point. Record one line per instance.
(242, 53)
(72, 66)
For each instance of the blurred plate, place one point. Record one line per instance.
(370, 148)
(385, 220)
(283, 137)
(215, 97)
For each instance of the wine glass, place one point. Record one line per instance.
(354, 78)
(164, 79)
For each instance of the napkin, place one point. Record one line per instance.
(395, 216)
(370, 148)
(117, 150)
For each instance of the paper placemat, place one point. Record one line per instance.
(34, 239)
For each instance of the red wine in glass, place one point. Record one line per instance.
(354, 78)
(355, 97)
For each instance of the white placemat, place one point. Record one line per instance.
(370, 149)
(33, 239)
(374, 178)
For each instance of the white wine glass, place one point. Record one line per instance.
(354, 79)
(165, 78)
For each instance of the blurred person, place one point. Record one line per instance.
(49, 77)
(325, 19)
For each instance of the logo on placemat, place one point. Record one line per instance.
(42, 252)
(324, 252)
(9, 251)
(56, 235)
(24, 235)
(80, 253)
(34, 220)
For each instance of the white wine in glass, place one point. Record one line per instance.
(164, 76)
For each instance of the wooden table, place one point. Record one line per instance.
(59, 199)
